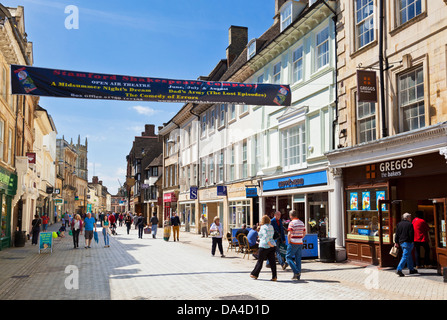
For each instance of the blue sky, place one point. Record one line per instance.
(176, 39)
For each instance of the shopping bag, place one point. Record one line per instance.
(95, 236)
(394, 251)
(70, 232)
(147, 230)
(283, 249)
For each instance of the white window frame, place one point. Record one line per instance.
(300, 147)
(244, 154)
(368, 117)
(326, 54)
(286, 16)
(408, 6)
(276, 78)
(211, 169)
(251, 49)
(412, 99)
(221, 166)
(222, 112)
(365, 21)
(203, 125)
(298, 64)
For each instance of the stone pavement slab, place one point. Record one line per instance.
(153, 269)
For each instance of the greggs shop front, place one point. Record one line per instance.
(377, 194)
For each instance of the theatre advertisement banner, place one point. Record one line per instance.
(26, 80)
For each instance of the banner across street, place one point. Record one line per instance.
(26, 80)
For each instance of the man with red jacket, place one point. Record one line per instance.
(421, 239)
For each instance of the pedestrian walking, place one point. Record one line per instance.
(216, 232)
(76, 229)
(204, 225)
(141, 223)
(65, 219)
(128, 222)
(267, 249)
(121, 219)
(279, 237)
(296, 233)
(45, 220)
(175, 222)
(35, 229)
(405, 239)
(154, 224)
(421, 239)
(105, 232)
(89, 226)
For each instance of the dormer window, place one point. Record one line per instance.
(251, 49)
(286, 16)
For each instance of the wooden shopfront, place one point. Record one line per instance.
(403, 185)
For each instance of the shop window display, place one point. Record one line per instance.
(363, 214)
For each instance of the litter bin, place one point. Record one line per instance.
(19, 238)
(327, 250)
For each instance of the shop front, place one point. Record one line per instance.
(307, 194)
(187, 211)
(8, 187)
(377, 194)
(243, 204)
(170, 204)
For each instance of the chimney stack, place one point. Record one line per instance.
(238, 39)
(95, 179)
(149, 130)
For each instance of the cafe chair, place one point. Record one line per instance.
(247, 249)
(240, 241)
(232, 243)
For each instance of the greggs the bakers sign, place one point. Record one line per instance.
(366, 86)
(27, 80)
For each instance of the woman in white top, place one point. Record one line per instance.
(216, 232)
(76, 229)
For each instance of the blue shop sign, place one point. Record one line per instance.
(251, 192)
(298, 181)
(193, 193)
(221, 190)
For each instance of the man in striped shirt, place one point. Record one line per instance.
(296, 233)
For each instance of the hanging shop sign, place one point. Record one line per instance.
(26, 80)
(366, 86)
(193, 193)
(251, 192)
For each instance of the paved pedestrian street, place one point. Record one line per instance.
(153, 269)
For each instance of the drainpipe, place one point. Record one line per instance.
(381, 67)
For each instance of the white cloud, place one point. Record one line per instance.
(147, 111)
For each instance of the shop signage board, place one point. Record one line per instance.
(45, 241)
(27, 80)
(298, 181)
(366, 86)
(8, 182)
(404, 167)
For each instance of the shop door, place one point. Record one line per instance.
(440, 233)
(389, 216)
